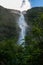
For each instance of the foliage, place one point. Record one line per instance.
(34, 37)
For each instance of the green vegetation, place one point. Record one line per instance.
(34, 38)
(13, 54)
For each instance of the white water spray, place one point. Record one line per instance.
(23, 26)
(22, 23)
(25, 5)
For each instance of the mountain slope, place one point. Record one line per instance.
(12, 53)
(8, 23)
(34, 37)
(34, 18)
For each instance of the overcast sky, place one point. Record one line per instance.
(15, 4)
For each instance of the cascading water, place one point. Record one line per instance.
(23, 26)
(22, 23)
(25, 5)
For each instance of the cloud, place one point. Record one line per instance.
(15, 4)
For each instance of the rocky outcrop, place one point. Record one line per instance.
(8, 23)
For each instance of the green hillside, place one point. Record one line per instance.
(34, 18)
(34, 37)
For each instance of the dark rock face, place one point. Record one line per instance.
(8, 23)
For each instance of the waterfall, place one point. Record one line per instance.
(23, 26)
(22, 23)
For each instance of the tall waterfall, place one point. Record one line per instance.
(22, 23)
(23, 26)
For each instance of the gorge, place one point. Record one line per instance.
(12, 53)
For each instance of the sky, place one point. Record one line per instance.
(36, 3)
(15, 4)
